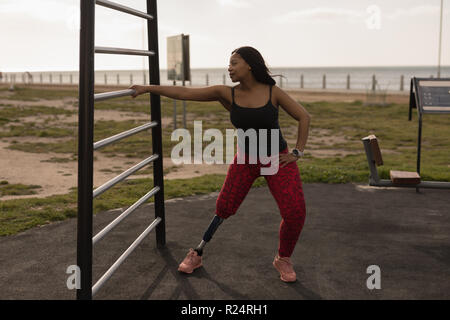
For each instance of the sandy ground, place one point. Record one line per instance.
(57, 178)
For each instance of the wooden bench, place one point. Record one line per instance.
(397, 177)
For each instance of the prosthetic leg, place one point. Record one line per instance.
(215, 223)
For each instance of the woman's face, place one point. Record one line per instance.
(237, 68)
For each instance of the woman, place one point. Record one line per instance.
(253, 104)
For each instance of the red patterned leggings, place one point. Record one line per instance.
(285, 186)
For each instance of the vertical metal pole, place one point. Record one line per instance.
(348, 82)
(85, 148)
(183, 77)
(440, 42)
(411, 97)
(324, 81)
(419, 143)
(118, 79)
(402, 80)
(207, 79)
(301, 82)
(155, 100)
(174, 109)
(374, 81)
(184, 107)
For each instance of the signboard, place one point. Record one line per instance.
(430, 95)
(178, 66)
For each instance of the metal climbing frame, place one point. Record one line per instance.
(86, 145)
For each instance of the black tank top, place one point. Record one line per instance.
(265, 117)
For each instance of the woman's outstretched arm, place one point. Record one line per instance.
(211, 93)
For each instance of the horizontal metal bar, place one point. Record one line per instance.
(113, 94)
(123, 175)
(131, 209)
(122, 135)
(119, 7)
(134, 52)
(122, 258)
(423, 184)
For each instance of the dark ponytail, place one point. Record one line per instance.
(255, 60)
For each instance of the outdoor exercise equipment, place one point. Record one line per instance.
(398, 178)
(428, 96)
(85, 241)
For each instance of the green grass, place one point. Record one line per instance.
(22, 214)
(19, 189)
(36, 93)
(350, 120)
(10, 113)
(30, 130)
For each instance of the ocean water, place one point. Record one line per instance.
(387, 78)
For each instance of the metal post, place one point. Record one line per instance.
(85, 148)
(174, 110)
(348, 82)
(158, 177)
(118, 79)
(419, 145)
(324, 81)
(301, 81)
(184, 107)
(131, 78)
(374, 81)
(440, 42)
(402, 80)
(207, 79)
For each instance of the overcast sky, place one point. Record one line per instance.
(44, 35)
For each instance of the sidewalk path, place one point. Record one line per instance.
(348, 228)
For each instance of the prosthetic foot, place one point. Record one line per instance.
(193, 259)
(215, 223)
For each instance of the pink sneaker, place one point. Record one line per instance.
(285, 267)
(191, 262)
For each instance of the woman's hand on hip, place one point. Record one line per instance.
(286, 158)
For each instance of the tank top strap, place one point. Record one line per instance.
(232, 95)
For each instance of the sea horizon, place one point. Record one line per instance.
(225, 67)
(395, 78)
